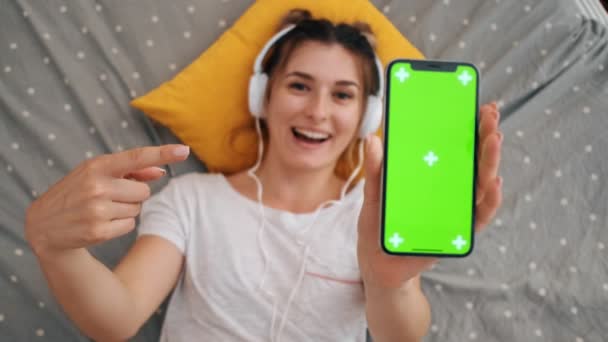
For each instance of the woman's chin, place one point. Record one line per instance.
(308, 163)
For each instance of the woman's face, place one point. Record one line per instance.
(315, 105)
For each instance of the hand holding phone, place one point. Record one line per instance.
(381, 270)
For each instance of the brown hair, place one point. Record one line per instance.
(357, 38)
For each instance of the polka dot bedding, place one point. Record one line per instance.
(539, 271)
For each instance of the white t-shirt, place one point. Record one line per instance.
(220, 296)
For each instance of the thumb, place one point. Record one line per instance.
(373, 169)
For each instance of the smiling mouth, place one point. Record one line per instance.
(309, 136)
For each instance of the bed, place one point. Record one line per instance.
(540, 270)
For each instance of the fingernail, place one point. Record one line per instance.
(181, 151)
(494, 104)
(495, 114)
(163, 171)
(500, 136)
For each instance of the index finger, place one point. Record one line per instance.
(119, 164)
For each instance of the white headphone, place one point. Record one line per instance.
(372, 117)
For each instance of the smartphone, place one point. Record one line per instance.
(430, 158)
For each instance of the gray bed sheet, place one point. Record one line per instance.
(539, 272)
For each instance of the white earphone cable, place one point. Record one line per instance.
(307, 248)
(251, 173)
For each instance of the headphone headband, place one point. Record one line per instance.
(380, 71)
(257, 67)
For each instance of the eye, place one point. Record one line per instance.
(343, 95)
(298, 86)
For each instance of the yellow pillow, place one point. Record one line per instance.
(207, 100)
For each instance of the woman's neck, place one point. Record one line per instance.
(298, 191)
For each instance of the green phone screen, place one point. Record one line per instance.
(429, 170)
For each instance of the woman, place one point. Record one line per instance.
(247, 264)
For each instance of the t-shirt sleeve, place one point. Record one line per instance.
(165, 214)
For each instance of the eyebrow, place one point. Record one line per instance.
(309, 77)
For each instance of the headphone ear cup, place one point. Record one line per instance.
(372, 116)
(257, 87)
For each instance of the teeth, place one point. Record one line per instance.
(311, 134)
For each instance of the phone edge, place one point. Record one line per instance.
(385, 159)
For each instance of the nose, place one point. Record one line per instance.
(318, 107)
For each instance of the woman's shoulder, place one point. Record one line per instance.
(242, 184)
(239, 180)
(193, 181)
(195, 177)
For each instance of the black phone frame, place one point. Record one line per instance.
(439, 66)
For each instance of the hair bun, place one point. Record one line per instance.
(295, 16)
(366, 31)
